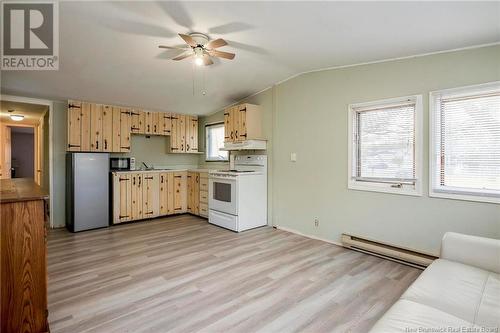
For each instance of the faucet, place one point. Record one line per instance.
(148, 167)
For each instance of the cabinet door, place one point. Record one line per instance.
(190, 192)
(180, 192)
(174, 144)
(116, 129)
(155, 123)
(137, 121)
(96, 127)
(228, 125)
(191, 134)
(148, 122)
(6, 151)
(150, 195)
(241, 133)
(136, 196)
(85, 118)
(124, 130)
(122, 209)
(236, 123)
(163, 193)
(165, 123)
(170, 193)
(74, 125)
(182, 133)
(107, 128)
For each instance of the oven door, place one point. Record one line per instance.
(222, 193)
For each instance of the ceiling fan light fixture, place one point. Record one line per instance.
(198, 60)
(16, 117)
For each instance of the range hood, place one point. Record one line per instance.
(245, 145)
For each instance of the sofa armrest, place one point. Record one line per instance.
(475, 251)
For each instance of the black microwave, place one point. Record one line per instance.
(121, 163)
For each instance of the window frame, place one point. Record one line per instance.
(207, 159)
(436, 190)
(386, 187)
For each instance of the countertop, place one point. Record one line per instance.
(20, 189)
(163, 170)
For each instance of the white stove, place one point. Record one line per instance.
(238, 197)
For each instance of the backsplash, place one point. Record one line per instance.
(155, 151)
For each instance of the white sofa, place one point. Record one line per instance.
(460, 292)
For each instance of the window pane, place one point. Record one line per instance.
(215, 141)
(470, 142)
(386, 143)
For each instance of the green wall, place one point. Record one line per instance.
(311, 119)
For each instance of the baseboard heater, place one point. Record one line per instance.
(391, 252)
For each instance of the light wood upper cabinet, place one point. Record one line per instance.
(165, 123)
(85, 119)
(122, 197)
(74, 125)
(116, 129)
(124, 130)
(180, 192)
(184, 134)
(191, 134)
(242, 122)
(107, 128)
(96, 127)
(137, 119)
(150, 197)
(5, 152)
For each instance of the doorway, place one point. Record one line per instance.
(24, 148)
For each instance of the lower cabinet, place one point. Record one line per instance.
(193, 193)
(143, 195)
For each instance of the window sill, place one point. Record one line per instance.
(464, 197)
(383, 188)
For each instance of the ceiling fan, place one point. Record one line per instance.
(201, 48)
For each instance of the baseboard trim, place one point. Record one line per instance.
(293, 231)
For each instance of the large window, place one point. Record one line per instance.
(465, 143)
(384, 146)
(214, 142)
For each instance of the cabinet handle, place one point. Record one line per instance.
(148, 177)
(154, 129)
(161, 179)
(97, 145)
(139, 181)
(122, 216)
(182, 147)
(187, 147)
(123, 179)
(106, 144)
(232, 135)
(243, 110)
(74, 106)
(133, 181)
(126, 147)
(236, 134)
(243, 135)
(70, 146)
(148, 128)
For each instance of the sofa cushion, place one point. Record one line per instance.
(450, 287)
(408, 316)
(488, 314)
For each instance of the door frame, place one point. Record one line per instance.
(50, 105)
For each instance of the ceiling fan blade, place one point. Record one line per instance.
(206, 60)
(171, 47)
(213, 44)
(221, 54)
(183, 56)
(189, 40)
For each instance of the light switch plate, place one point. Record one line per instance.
(293, 157)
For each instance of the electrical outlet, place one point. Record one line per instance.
(316, 223)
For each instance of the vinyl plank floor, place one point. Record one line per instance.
(181, 274)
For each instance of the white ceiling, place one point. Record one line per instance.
(109, 54)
